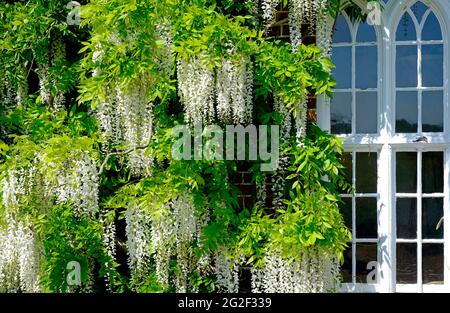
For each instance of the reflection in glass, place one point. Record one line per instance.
(406, 218)
(342, 32)
(406, 263)
(406, 172)
(366, 67)
(432, 65)
(366, 33)
(406, 66)
(366, 218)
(342, 58)
(406, 29)
(406, 112)
(432, 172)
(432, 111)
(341, 113)
(432, 211)
(366, 112)
(433, 263)
(432, 29)
(366, 172)
(365, 253)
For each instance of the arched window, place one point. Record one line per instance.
(390, 106)
(419, 72)
(354, 107)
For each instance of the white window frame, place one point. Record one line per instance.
(387, 142)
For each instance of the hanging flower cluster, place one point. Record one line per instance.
(230, 86)
(227, 272)
(19, 257)
(196, 89)
(138, 240)
(173, 230)
(126, 120)
(76, 182)
(55, 55)
(300, 12)
(315, 271)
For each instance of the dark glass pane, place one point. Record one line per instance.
(366, 33)
(366, 172)
(366, 218)
(432, 172)
(365, 253)
(406, 66)
(432, 111)
(341, 113)
(419, 10)
(432, 65)
(406, 29)
(433, 263)
(406, 263)
(342, 32)
(406, 112)
(346, 268)
(432, 212)
(346, 211)
(406, 218)
(406, 172)
(342, 58)
(432, 29)
(366, 67)
(366, 112)
(346, 161)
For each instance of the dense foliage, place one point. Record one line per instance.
(87, 174)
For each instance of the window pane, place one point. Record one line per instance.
(406, 171)
(433, 263)
(432, 65)
(366, 112)
(432, 172)
(365, 253)
(406, 29)
(432, 111)
(419, 10)
(366, 218)
(432, 28)
(406, 263)
(366, 172)
(342, 58)
(406, 112)
(366, 67)
(366, 33)
(346, 211)
(432, 212)
(341, 113)
(342, 32)
(406, 218)
(406, 66)
(346, 268)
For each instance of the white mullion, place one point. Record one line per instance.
(354, 219)
(419, 220)
(446, 218)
